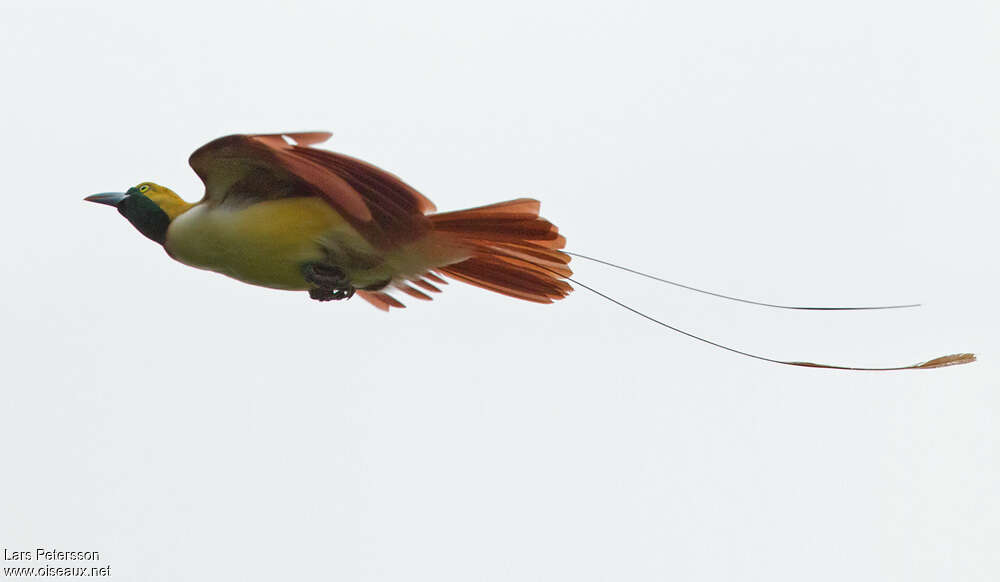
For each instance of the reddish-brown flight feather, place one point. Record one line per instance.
(380, 206)
(516, 251)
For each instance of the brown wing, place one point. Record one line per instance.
(240, 168)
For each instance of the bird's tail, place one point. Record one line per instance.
(514, 251)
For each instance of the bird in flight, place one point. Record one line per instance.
(280, 213)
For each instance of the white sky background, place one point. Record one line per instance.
(190, 427)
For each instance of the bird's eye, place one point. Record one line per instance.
(144, 187)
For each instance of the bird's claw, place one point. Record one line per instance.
(331, 282)
(323, 294)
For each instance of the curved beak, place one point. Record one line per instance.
(109, 198)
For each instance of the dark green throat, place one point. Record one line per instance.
(145, 215)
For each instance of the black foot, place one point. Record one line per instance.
(321, 294)
(331, 282)
(326, 276)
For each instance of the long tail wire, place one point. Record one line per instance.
(940, 362)
(731, 298)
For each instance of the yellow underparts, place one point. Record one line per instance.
(267, 244)
(262, 244)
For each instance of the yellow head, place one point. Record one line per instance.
(149, 207)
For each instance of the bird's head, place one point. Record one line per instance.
(148, 206)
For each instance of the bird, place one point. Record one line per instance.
(280, 213)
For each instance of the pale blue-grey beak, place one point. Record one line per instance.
(109, 198)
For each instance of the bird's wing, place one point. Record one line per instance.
(380, 206)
